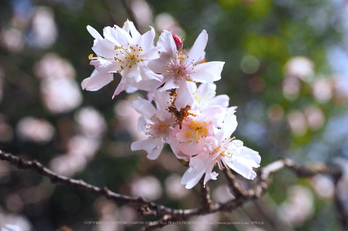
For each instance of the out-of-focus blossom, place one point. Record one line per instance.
(127, 213)
(4, 172)
(148, 187)
(14, 202)
(222, 194)
(83, 146)
(44, 30)
(322, 90)
(60, 95)
(12, 39)
(300, 67)
(142, 12)
(164, 21)
(297, 123)
(6, 131)
(107, 212)
(67, 164)
(80, 150)
(91, 122)
(128, 117)
(249, 64)
(275, 113)
(204, 223)
(315, 117)
(340, 92)
(10, 227)
(13, 222)
(34, 129)
(291, 88)
(323, 186)
(174, 188)
(2, 75)
(51, 66)
(299, 205)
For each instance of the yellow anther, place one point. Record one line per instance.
(90, 57)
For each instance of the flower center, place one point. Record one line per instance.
(158, 129)
(197, 130)
(128, 56)
(179, 69)
(222, 148)
(222, 151)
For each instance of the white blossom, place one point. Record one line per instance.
(126, 51)
(178, 66)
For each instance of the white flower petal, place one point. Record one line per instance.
(208, 72)
(144, 107)
(96, 81)
(230, 123)
(116, 35)
(192, 176)
(166, 44)
(184, 96)
(94, 32)
(147, 74)
(209, 174)
(192, 88)
(206, 90)
(198, 47)
(243, 169)
(221, 100)
(150, 146)
(134, 32)
(142, 124)
(121, 87)
(170, 84)
(104, 48)
(148, 39)
(249, 155)
(159, 65)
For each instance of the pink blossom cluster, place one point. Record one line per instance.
(195, 122)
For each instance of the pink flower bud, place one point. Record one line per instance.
(178, 41)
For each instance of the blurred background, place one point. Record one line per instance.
(286, 70)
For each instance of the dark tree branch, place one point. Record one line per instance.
(169, 215)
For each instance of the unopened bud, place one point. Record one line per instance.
(178, 41)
